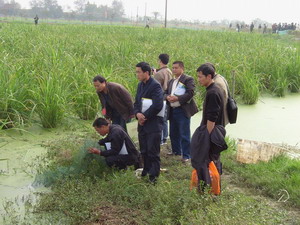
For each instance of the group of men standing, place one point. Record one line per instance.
(159, 98)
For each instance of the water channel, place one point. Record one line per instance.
(273, 120)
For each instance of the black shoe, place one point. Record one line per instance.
(152, 179)
(163, 142)
(144, 173)
(137, 166)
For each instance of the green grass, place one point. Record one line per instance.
(95, 193)
(169, 202)
(275, 178)
(47, 69)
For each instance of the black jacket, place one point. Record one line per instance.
(151, 90)
(203, 144)
(213, 106)
(117, 136)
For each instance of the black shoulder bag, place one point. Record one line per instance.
(232, 109)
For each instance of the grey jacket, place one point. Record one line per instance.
(163, 76)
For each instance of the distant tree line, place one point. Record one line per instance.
(51, 9)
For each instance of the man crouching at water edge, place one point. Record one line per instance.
(120, 150)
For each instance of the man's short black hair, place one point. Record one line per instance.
(180, 63)
(164, 58)
(100, 122)
(144, 67)
(206, 69)
(99, 78)
(212, 65)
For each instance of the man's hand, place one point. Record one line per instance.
(94, 151)
(172, 99)
(103, 111)
(210, 126)
(141, 118)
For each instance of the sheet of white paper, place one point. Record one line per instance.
(180, 89)
(123, 149)
(146, 103)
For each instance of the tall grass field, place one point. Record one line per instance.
(46, 70)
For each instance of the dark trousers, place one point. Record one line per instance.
(180, 133)
(150, 150)
(203, 171)
(121, 161)
(216, 158)
(165, 133)
(120, 121)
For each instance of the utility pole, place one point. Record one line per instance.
(145, 10)
(166, 9)
(137, 15)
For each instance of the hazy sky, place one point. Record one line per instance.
(207, 10)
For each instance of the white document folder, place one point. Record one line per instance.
(180, 89)
(123, 149)
(146, 103)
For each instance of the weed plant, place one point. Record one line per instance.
(51, 66)
(15, 106)
(49, 97)
(67, 163)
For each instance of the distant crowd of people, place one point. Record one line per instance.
(282, 27)
(263, 28)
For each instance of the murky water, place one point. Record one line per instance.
(18, 153)
(272, 120)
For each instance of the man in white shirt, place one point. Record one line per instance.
(180, 92)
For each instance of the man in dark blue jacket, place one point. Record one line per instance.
(148, 108)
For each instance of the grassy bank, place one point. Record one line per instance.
(278, 179)
(46, 70)
(85, 191)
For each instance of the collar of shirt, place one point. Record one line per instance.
(210, 86)
(175, 83)
(164, 67)
(147, 82)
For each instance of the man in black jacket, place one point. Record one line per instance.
(179, 95)
(121, 151)
(208, 140)
(150, 120)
